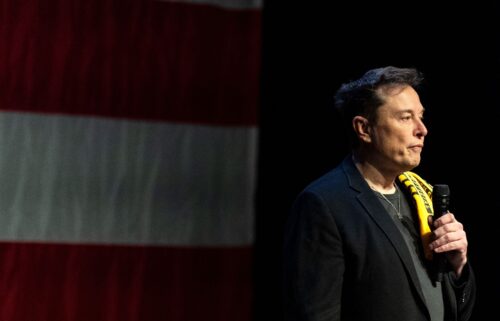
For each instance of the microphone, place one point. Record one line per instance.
(440, 202)
(440, 199)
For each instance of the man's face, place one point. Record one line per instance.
(398, 132)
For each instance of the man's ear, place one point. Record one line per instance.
(361, 126)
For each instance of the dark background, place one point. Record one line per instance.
(308, 51)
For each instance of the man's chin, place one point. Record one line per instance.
(411, 164)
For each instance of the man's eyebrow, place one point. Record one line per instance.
(409, 110)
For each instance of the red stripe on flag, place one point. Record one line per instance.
(134, 59)
(98, 282)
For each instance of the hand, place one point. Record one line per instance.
(450, 238)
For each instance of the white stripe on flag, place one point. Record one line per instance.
(97, 180)
(227, 4)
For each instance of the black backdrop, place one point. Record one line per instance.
(308, 51)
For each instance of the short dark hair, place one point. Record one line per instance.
(362, 96)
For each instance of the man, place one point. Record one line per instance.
(358, 244)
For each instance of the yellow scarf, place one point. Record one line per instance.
(421, 191)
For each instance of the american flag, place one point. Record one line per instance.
(128, 146)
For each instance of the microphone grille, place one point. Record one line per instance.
(441, 189)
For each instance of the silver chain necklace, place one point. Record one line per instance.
(397, 210)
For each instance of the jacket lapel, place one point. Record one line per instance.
(377, 212)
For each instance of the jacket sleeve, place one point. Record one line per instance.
(313, 262)
(464, 292)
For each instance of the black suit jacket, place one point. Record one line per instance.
(345, 259)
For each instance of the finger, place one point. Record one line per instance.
(458, 246)
(447, 228)
(445, 219)
(450, 241)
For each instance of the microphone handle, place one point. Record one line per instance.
(440, 262)
(441, 200)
